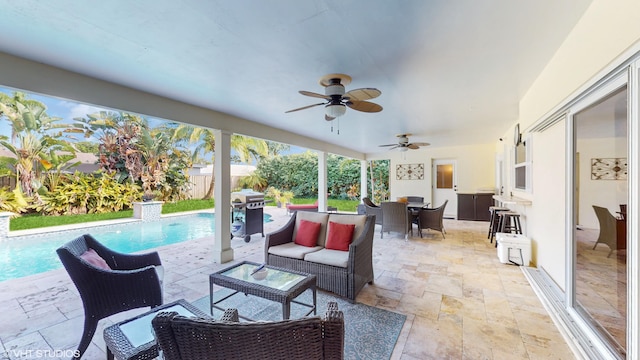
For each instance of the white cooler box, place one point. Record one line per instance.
(514, 249)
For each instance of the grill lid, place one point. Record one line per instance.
(247, 196)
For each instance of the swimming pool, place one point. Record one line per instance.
(32, 254)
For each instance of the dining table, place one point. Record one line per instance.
(413, 208)
(417, 205)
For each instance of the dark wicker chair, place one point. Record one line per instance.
(182, 338)
(395, 217)
(415, 199)
(372, 209)
(133, 282)
(431, 218)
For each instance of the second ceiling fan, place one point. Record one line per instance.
(403, 143)
(338, 99)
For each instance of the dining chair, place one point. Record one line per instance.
(431, 218)
(395, 217)
(372, 209)
(607, 234)
(415, 199)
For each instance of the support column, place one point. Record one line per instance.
(322, 181)
(222, 251)
(363, 179)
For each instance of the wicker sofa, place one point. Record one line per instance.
(183, 338)
(342, 272)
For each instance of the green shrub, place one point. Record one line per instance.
(90, 193)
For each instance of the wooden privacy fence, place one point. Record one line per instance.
(8, 181)
(199, 185)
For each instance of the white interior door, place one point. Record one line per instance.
(445, 186)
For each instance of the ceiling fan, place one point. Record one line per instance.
(403, 143)
(338, 100)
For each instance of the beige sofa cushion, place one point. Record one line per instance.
(329, 257)
(315, 217)
(358, 220)
(292, 250)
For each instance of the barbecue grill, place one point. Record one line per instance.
(247, 214)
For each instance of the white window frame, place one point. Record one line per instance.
(526, 164)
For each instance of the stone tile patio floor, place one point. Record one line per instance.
(460, 301)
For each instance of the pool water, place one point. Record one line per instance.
(27, 255)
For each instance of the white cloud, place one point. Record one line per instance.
(76, 110)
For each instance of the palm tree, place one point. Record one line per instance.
(32, 139)
(247, 147)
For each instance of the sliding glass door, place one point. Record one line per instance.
(600, 142)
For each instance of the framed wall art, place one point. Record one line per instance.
(609, 169)
(410, 171)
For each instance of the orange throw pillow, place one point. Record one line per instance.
(340, 236)
(92, 257)
(308, 233)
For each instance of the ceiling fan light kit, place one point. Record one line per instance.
(403, 144)
(338, 100)
(335, 110)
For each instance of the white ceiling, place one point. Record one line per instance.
(451, 71)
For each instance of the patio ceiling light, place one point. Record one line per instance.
(335, 110)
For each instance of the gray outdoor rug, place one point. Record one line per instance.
(370, 333)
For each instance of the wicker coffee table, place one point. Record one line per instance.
(280, 285)
(133, 339)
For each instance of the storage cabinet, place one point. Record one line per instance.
(474, 206)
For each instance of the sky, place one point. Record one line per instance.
(62, 108)
(69, 109)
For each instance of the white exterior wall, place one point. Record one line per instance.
(475, 166)
(545, 219)
(608, 31)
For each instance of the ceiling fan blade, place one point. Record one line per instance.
(328, 118)
(421, 144)
(388, 145)
(312, 94)
(364, 106)
(362, 94)
(413, 146)
(304, 107)
(394, 147)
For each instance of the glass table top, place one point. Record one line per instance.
(276, 279)
(139, 331)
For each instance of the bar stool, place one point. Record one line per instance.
(494, 219)
(509, 223)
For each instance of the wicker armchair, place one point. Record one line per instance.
(182, 338)
(132, 283)
(372, 209)
(608, 231)
(431, 218)
(395, 217)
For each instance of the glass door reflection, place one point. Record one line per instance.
(600, 239)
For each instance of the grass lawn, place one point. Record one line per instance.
(341, 205)
(34, 221)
